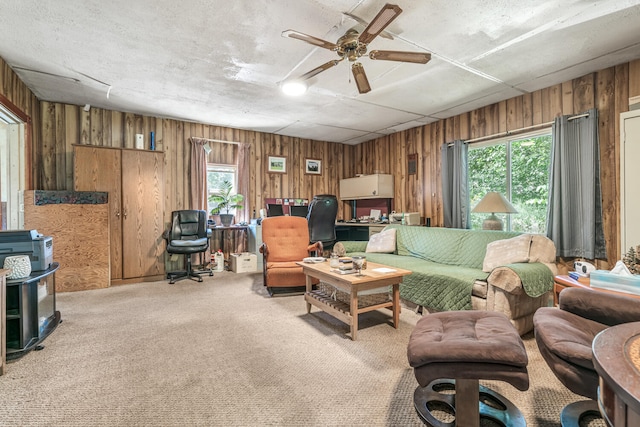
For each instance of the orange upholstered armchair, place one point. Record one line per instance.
(285, 242)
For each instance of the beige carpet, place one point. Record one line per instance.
(223, 353)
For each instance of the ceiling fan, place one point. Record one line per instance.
(353, 45)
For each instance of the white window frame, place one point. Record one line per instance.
(221, 167)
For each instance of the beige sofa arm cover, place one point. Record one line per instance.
(505, 279)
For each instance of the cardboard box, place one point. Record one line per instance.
(243, 263)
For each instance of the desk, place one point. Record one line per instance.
(561, 282)
(232, 239)
(357, 230)
(616, 357)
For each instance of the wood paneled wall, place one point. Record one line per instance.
(58, 126)
(607, 90)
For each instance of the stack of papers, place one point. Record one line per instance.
(383, 270)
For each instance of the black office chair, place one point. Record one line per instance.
(323, 211)
(188, 235)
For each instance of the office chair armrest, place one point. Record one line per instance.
(601, 307)
(165, 235)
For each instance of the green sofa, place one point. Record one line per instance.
(447, 266)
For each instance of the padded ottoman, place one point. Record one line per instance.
(456, 349)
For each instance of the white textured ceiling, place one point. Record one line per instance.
(221, 62)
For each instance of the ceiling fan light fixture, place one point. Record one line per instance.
(294, 88)
(361, 78)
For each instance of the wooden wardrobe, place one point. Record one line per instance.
(134, 180)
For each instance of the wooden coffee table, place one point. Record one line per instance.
(376, 276)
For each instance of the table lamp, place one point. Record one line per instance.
(493, 202)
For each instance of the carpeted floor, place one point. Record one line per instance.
(224, 353)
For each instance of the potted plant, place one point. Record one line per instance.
(225, 201)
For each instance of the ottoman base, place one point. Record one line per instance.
(475, 402)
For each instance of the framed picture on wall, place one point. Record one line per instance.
(412, 164)
(313, 166)
(277, 164)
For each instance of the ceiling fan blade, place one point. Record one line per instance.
(396, 55)
(319, 69)
(364, 23)
(360, 77)
(388, 13)
(309, 39)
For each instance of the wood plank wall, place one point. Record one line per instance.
(58, 126)
(607, 90)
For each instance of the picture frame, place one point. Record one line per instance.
(277, 164)
(313, 166)
(412, 164)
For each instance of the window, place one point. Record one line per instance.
(216, 175)
(12, 169)
(517, 168)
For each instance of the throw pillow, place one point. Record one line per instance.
(542, 249)
(339, 249)
(383, 242)
(507, 251)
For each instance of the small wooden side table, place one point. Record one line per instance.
(563, 281)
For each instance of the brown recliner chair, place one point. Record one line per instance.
(285, 242)
(565, 335)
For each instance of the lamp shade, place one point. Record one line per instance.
(494, 202)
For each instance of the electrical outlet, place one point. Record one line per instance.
(139, 141)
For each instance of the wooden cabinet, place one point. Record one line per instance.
(376, 186)
(629, 178)
(134, 180)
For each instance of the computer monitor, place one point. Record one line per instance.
(274, 210)
(298, 211)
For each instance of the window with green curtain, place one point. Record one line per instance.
(518, 168)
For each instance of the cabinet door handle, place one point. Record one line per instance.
(117, 214)
(124, 213)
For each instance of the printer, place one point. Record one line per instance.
(27, 242)
(406, 218)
